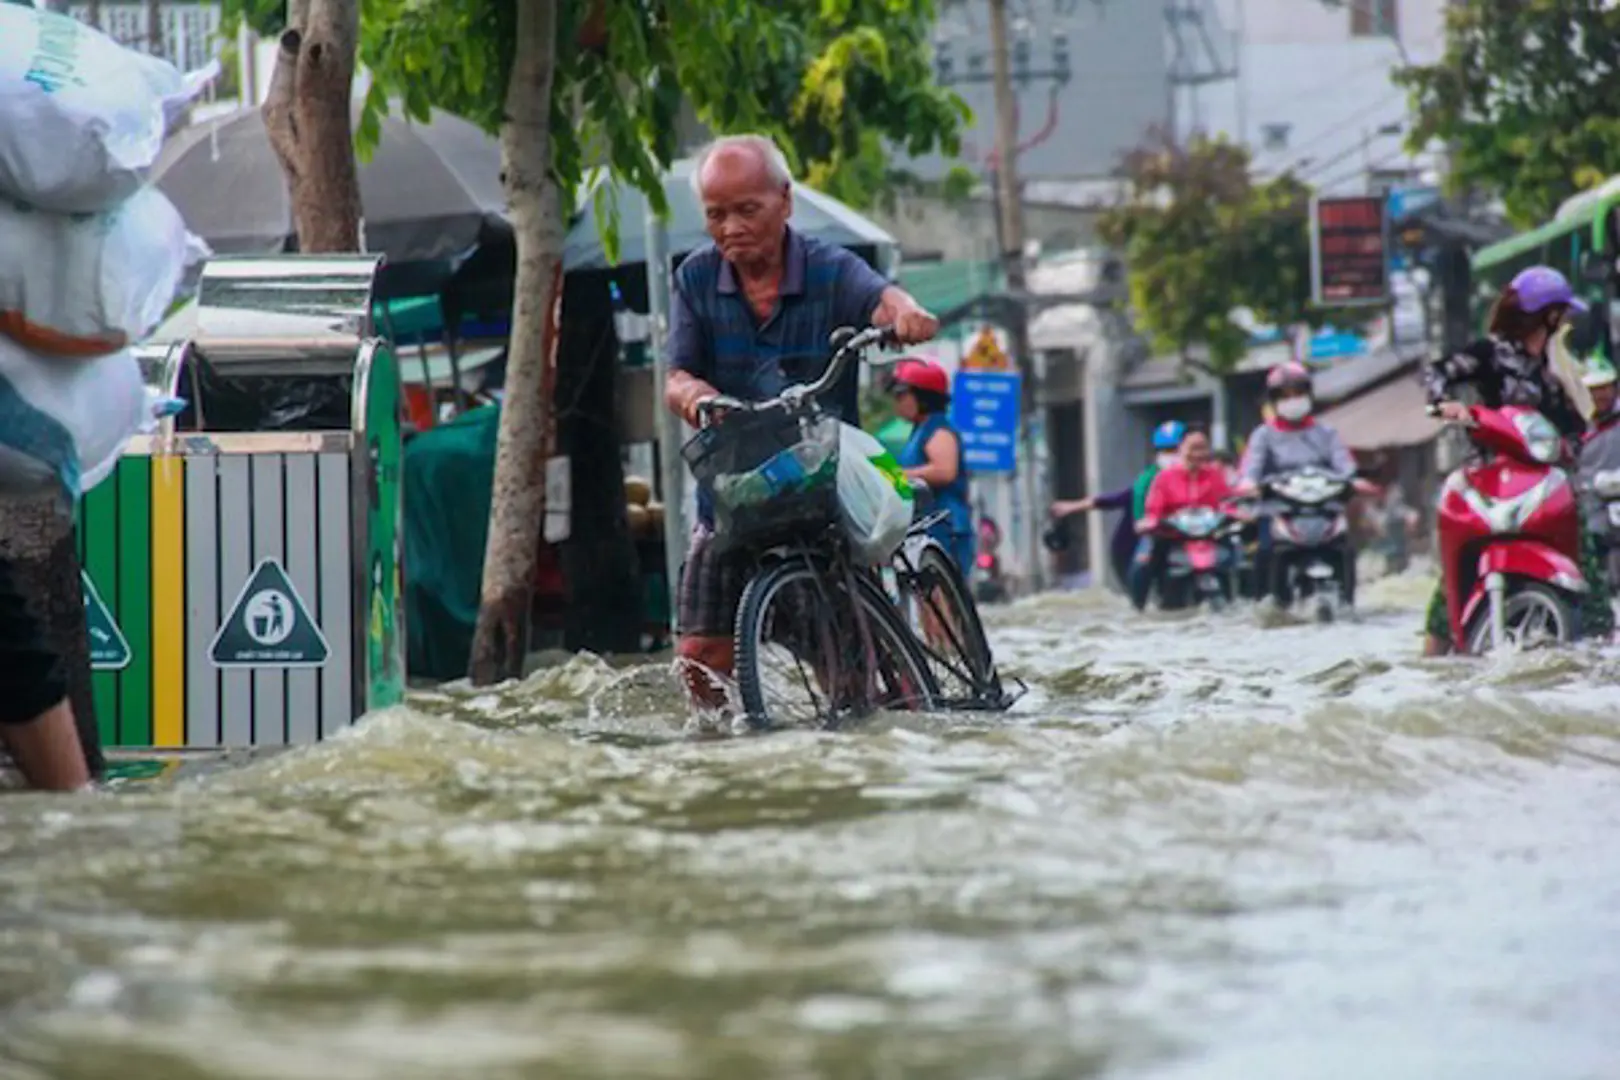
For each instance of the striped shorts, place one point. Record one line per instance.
(711, 586)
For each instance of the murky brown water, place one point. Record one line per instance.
(1199, 849)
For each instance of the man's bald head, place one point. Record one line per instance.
(746, 190)
(743, 158)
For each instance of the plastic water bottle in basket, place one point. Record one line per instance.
(772, 474)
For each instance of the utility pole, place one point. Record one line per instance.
(1010, 214)
(671, 467)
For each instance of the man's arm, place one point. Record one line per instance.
(690, 359)
(866, 298)
(1442, 377)
(1254, 456)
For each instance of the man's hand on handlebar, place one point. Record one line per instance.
(713, 409)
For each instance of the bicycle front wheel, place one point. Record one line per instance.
(812, 653)
(945, 619)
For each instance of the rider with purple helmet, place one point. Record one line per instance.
(1509, 366)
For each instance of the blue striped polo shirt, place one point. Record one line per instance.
(715, 335)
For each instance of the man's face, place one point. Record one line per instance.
(744, 210)
(1195, 451)
(1603, 398)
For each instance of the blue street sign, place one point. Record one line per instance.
(984, 411)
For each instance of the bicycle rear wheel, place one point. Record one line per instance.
(798, 633)
(944, 618)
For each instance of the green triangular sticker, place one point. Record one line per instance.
(109, 651)
(268, 625)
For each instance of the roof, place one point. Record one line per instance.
(1169, 370)
(943, 287)
(1390, 415)
(1350, 377)
(1067, 326)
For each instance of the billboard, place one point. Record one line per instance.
(1349, 251)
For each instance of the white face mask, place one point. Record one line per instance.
(1294, 408)
(1167, 458)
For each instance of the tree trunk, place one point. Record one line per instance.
(307, 118)
(606, 603)
(501, 638)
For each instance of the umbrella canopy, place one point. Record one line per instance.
(814, 214)
(430, 190)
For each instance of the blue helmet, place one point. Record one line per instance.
(1168, 435)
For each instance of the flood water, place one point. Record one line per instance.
(1200, 848)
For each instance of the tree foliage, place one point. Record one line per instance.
(1524, 94)
(841, 84)
(1201, 238)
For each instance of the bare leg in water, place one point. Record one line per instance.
(47, 751)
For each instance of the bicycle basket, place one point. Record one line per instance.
(772, 475)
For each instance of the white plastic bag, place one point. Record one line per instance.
(82, 118)
(66, 421)
(86, 285)
(875, 502)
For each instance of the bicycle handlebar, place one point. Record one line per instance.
(847, 343)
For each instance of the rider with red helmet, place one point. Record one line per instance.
(922, 396)
(1291, 439)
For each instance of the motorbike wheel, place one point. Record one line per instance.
(1533, 615)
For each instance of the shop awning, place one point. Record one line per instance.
(1387, 416)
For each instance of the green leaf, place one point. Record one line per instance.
(1517, 94)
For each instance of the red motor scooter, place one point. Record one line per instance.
(1201, 564)
(1510, 535)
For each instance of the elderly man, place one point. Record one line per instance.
(750, 314)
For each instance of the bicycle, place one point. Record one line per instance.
(771, 467)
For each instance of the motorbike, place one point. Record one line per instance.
(989, 587)
(1201, 564)
(1310, 537)
(1509, 536)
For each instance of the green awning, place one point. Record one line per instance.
(945, 286)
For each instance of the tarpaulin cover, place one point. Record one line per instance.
(449, 474)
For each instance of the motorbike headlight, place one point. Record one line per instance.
(1606, 484)
(1540, 437)
(1194, 522)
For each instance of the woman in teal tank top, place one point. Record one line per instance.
(922, 395)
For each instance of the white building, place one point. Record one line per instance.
(188, 33)
(1313, 89)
